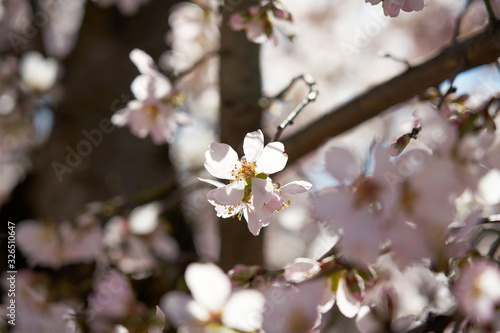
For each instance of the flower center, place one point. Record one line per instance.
(151, 112)
(246, 170)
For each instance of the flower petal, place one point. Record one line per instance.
(262, 191)
(244, 311)
(180, 308)
(143, 61)
(221, 160)
(272, 159)
(230, 194)
(209, 285)
(347, 303)
(342, 164)
(212, 182)
(301, 269)
(253, 145)
(295, 187)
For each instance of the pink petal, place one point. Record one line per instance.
(236, 22)
(244, 311)
(182, 309)
(295, 187)
(209, 285)
(272, 159)
(220, 160)
(342, 164)
(348, 305)
(301, 269)
(262, 191)
(256, 220)
(332, 205)
(328, 299)
(142, 87)
(381, 155)
(253, 145)
(230, 194)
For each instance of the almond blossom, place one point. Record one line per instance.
(259, 21)
(50, 244)
(361, 204)
(251, 193)
(213, 304)
(392, 7)
(478, 291)
(153, 112)
(293, 309)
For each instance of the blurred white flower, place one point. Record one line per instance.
(38, 73)
(213, 303)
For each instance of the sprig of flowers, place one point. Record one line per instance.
(251, 192)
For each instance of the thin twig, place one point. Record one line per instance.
(199, 62)
(452, 89)
(383, 54)
(311, 97)
(479, 50)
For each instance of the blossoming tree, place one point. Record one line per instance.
(138, 140)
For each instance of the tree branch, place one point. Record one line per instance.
(478, 50)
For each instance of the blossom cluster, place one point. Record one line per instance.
(393, 7)
(259, 22)
(251, 192)
(153, 112)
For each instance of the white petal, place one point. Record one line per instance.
(244, 310)
(253, 145)
(348, 305)
(120, 118)
(301, 269)
(253, 222)
(367, 321)
(262, 191)
(160, 317)
(296, 187)
(143, 220)
(142, 87)
(212, 182)
(230, 194)
(272, 159)
(221, 160)
(142, 60)
(209, 285)
(342, 164)
(331, 204)
(180, 308)
(328, 299)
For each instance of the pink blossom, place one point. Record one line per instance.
(293, 308)
(303, 269)
(40, 312)
(153, 111)
(57, 244)
(392, 7)
(478, 291)
(360, 205)
(259, 21)
(250, 188)
(212, 302)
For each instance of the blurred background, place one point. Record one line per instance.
(65, 70)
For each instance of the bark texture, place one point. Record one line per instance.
(240, 87)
